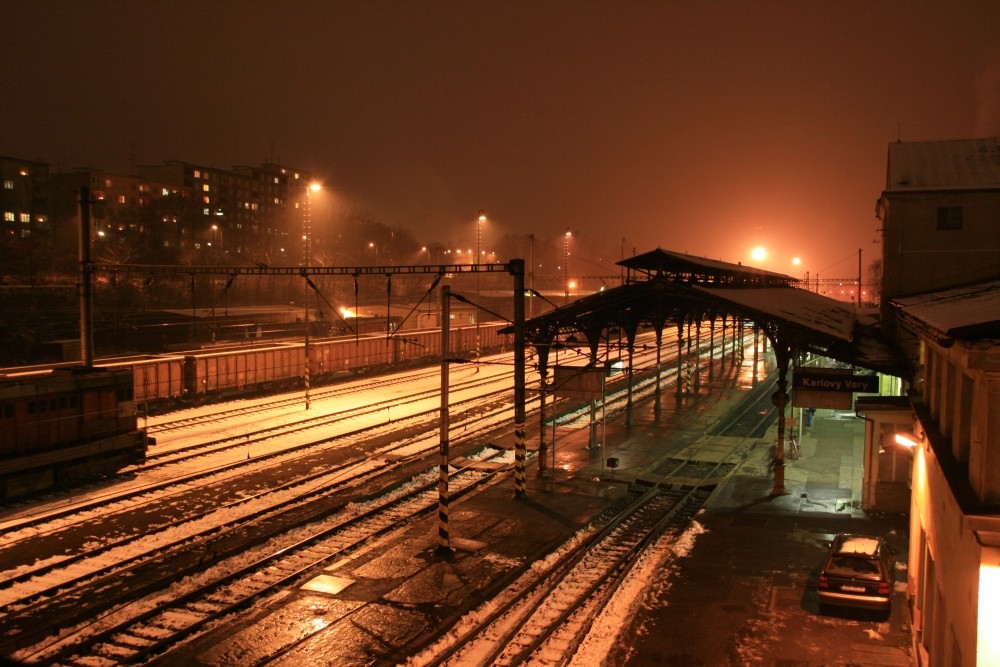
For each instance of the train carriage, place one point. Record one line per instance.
(156, 378)
(60, 427)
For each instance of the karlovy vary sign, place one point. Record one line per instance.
(829, 387)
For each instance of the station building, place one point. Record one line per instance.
(940, 215)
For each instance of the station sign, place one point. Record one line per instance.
(829, 387)
(584, 383)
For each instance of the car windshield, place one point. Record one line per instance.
(853, 566)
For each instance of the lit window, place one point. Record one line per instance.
(949, 217)
(99, 195)
(42, 219)
(206, 199)
(164, 192)
(205, 187)
(275, 180)
(8, 216)
(24, 217)
(25, 233)
(107, 182)
(8, 184)
(121, 199)
(197, 173)
(206, 211)
(23, 171)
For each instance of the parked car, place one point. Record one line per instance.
(858, 572)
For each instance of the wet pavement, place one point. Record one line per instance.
(742, 593)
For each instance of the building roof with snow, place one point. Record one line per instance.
(968, 312)
(944, 165)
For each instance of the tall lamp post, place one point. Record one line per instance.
(479, 251)
(306, 259)
(566, 263)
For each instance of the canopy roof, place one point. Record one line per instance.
(682, 288)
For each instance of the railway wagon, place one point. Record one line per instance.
(65, 426)
(156, 377)
(232, 372)
(240, 370)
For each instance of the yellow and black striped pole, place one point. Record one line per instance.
(520, 391)
(444, 537)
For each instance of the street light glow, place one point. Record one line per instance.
(759, 253)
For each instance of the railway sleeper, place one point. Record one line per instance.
(130, 640)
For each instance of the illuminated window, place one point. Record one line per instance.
(164, 192)
(205, 187)
(107, 182)
(24, 217)
(949, 217)
(121, 199)
(275, 180)
(197, 173)
(25, 233)
(8, 184)
(206, 211)
(206, 199)
(8, 216)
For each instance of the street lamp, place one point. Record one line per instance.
(306, 259)
(307, 223)
(566, 262)
(479, 259)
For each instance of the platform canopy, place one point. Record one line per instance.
(668, 289)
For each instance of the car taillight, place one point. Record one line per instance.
(883, 588)
(823, 583)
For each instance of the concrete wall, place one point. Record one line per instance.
(918, 257)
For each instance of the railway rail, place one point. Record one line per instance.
(139, 630)
(613, 398)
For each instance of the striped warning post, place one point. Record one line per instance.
(307, 382)
(444, 534)
(520, 459)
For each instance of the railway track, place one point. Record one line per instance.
(120, 653)
(552, 614)
(342, 428)
(303, 490)
(254, 408)
(156, 617)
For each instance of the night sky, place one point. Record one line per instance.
(700, 127)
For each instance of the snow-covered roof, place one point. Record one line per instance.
(944, 165)
(971, 311)
(798, 307)
(670, 263)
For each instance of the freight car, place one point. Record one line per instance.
(209, 375)
(60, 427)
(165, 381)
